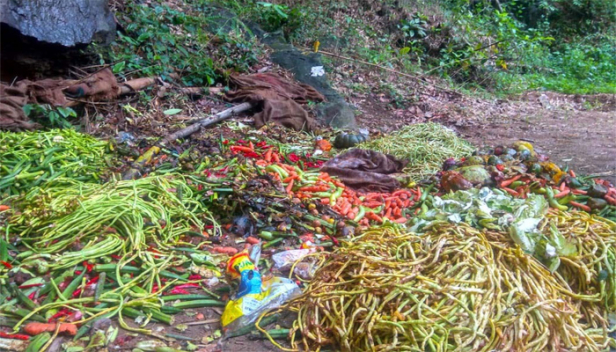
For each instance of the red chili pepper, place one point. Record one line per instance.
(88, 266)
(14, 336)
(92, 281)
(225, 142)
(62, 285)
(77, 272)
(31, 296)
(188, 285)
(116, 257)
(195, 277)
(6, 264)
(178, 291)
(240, 141)
(31, 285)
(335, 240)
(500, 167)
(293, 157)
(61, 313)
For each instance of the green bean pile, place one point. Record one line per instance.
(123, 218)
(454, 288)
(424, 145)
(592, 272)
(130, 235)
(29, 159)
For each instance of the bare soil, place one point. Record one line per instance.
(574, 130)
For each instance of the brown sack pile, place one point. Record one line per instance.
(99, 86)
(366, 170)
(277, 99)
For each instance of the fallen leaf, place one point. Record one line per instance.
(172, 111)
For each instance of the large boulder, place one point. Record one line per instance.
(65, 22)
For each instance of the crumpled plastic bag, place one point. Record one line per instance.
(285, 260)
(246, 310)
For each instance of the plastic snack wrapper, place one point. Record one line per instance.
(255, 295)
(246, 310)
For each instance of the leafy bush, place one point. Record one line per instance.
(160, 40)
(50, 116)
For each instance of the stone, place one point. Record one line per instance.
(65, 22)
(337, 114)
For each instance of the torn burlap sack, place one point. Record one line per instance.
(277, 99)
(12, 115)
(99, 86)
(366, 170)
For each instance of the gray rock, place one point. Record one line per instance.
(337, 114)
(66, 22)
(301, 65)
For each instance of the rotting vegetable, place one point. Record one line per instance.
(30, 159)
(454, 288)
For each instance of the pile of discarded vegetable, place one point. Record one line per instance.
(302, 182)
(452, 288)
(424, 145)
(78, 252)
(30, 159)
(520, 171)
(125, 248)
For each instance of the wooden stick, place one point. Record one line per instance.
(136, 84)
(206, 122)
(389, 70)
(198, 91)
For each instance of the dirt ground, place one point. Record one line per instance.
(576, 130)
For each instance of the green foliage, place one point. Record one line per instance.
(273, 16)
(50, 116)
(160, 40)
(560, 45)
(414, 27)
(576, 68)
(505, 47)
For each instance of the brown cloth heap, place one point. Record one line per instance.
(12, 116)
(99, 86)
(365, 170)
(277, 99)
